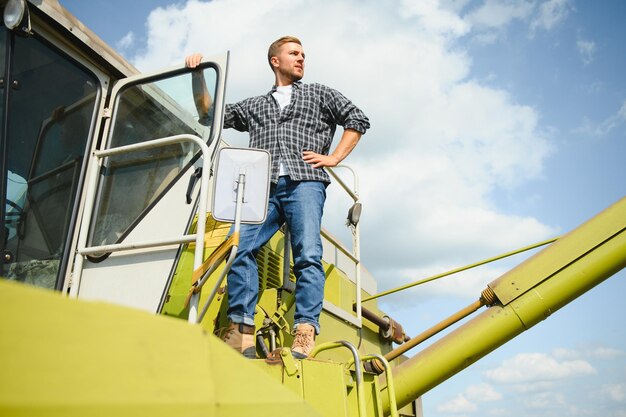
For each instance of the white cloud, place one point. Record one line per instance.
(458, 405)
(490, 21)
(531, 367)
(467, 401)
(596, 352)
(482, 393)
(534, 387)
(126, 42)
(455, 6)
(586, 49)
(550, 13)
(605, 126)
(441, 143)
(605, 353)
(498, 13)
(544, 400)
(615, 392)
(566, 354)
(434, 18)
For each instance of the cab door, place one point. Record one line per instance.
(140, 203)
(50, 95)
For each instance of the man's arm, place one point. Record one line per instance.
(201, 96)
(348, 141)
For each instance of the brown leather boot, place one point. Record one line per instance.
(304, 341)
(240, 337)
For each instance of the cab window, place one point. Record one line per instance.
(132, 183)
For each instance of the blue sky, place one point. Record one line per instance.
(495, 124)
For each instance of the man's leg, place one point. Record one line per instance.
(303, 204)
(243, 278)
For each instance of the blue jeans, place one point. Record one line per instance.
(300, 204)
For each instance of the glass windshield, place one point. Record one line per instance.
(51, 105)
(132, 183)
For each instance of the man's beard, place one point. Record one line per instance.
(292, 75)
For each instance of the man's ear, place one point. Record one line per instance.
(274, 61)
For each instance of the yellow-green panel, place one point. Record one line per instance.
(332, 287)
(324, 387)
(216, 232)
(76, 358)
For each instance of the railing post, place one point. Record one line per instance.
(356, 235)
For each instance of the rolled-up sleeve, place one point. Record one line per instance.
(346, 113)
(235, 116)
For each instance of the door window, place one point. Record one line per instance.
(132, 183)
(51, 107)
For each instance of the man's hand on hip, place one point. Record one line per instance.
(319, 160)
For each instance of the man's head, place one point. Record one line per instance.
(286, 58)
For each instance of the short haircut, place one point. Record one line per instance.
(275, 46)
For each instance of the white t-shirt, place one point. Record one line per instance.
(283, 98)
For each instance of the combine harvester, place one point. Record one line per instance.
(111, 190)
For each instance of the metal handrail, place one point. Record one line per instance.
(339, 246)
(354, 194)
(391, 391)
(120, 247)
(92, 182)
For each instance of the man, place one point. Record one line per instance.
(295, 122)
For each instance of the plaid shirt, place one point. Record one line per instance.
(308, 123)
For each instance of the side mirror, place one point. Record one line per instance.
(233, 165)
